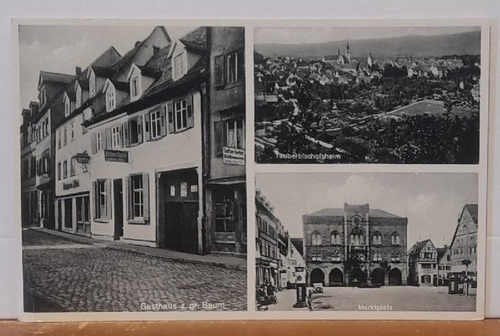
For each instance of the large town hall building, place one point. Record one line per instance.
(355, 245)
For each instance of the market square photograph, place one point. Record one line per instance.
(133, 186)
(393, 95)
(367, 242)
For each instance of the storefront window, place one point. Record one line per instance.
(224, 211)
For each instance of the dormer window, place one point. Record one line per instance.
(43, 96)
(110, 99)
(180, 66)
(92, 84)
(67, 106)
(78, 96)
(134, 87)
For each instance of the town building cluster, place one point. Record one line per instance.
(278, 259)
(146, 147)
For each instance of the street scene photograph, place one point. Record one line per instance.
(132, 178)
(374, 242)
(393, 95)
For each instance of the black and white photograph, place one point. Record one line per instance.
(133, 181)
(367, 242)
(367, 94)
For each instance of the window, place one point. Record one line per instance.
(395, 240)
(155, 124)
(316, 238)
(336, 255)
(65, 169)
(234, 133)
(180, 66)
(78, 96)
(357, 238)
(92, 88)
(133, 131)
(229, 68)
(59, 170)
(72, 131)
(65, 137)
(377, 256)
(116, 137)
(72, 167)
(67, 106)
(43, 96)
(47, 127)
(98, 142)
(138, 197)
(134, 87)
(335, 238)
(316, 256)
(102, 194)
(395, 257)
(110, 99)
(59, 136)
(377, 238)
(180, 115)
(224, 211)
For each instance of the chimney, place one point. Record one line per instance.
(137, 43)
(78, 71)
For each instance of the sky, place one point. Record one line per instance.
(432, 202)
(305, 35)
(63, 48)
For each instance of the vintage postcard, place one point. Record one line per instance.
(180, 170)
(133, 194)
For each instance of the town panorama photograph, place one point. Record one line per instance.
(367, 242)
(133, 192)
(405, 95)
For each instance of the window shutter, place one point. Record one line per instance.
(139, 129)
(93, 143)
(96, 199)
(163, 117)
(219, 70)
(171, 119)
(190, 116)
(126, 134)
(107, 139)
(147, 127)
(145, 195)
(130, 198)
(218, 138)
(108, 199)
(120, 135)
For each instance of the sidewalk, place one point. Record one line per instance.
(213, 259)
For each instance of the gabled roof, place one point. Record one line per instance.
(299, 245)
(418, 247)
(196, 40)
(102, 71)
(160, 60)
(46, 76)
(107, 58)
(472, 209)
(120, 86)
(441, 252)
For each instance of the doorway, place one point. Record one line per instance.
(118, 213)
(178, 210)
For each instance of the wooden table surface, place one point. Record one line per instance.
(256, 328)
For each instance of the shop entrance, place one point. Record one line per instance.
(118, 200)
(68, 213)
(178, 210)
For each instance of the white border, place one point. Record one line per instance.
(249, 25)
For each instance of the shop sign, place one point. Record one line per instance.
(184, 189)
(233, 156)
(71, 185)
(115, 156)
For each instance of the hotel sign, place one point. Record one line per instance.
(71, 185)
(233, 156)
(115, 156)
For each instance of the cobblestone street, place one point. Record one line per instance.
(61, 275)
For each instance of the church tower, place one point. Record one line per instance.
(348, 53)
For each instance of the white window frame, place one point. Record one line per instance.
(92, 84)
(65, 169)
(155, 121)
(73, 131)
(179, 65)
(102, 206)
(78, 96)
(116, 141)
(232, 74)
(67, 106)
(137, 191)
(110, 99)
(98, 141)
(65, 136)
(231, 140)
(135, 89)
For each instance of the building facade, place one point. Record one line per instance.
(444, 265)
(463, 248)
(423, 264)
(268, 255)
(355, 245)
(148, 148)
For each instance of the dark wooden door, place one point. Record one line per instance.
(118, 200)
(179, 210)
